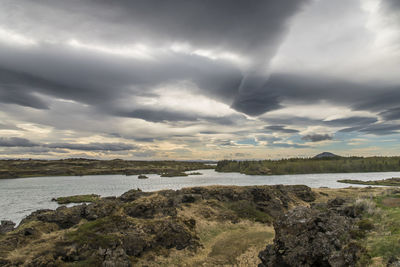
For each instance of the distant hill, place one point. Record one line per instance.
(325, 155)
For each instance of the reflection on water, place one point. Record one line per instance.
(20, 197)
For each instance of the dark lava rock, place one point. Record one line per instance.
(303, 192)
(6, 226)
(152, 208)
(132, 195)
(34, 215)
(115, 257)
(100, 209)
(135, 243)
(310, 237)
(336, 202)
(64, 217)
(191, 198)
(173, 234)
(4, 262)
(28, 231)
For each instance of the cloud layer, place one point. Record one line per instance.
(198, 79)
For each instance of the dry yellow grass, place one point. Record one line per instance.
(45, 243)
(223, 243)
(324, 194)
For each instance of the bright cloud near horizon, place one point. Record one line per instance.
(191, 79)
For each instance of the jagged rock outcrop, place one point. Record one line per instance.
(116, 231)
(319, 236)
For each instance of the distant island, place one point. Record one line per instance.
(79, 167)
(385, 182)
(325, 162)
(76, 199)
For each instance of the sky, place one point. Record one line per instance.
(191, 79)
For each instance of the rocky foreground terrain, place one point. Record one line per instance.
(201, 226)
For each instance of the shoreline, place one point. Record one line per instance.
(227, 219)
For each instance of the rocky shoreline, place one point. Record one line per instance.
(194, 227)
(79, 167)
(118, 231)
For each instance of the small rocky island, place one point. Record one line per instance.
(174, 174)
(76, 199)
(195, 173)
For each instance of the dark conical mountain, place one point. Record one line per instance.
(325, 155)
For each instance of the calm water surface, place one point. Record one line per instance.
(20, 197)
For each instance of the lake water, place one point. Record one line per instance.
(20, 197)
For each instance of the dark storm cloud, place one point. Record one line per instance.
(226, 120)
(254, 103)
(391, 8)
(36, 150)
(17, 96)
(145, 139)
(102, 80)
(224, 143)
(94, 146)
(307, 89)
(23, 142)
(253, 30)
(16, 142)
(155, 115)
(236, 25)
(351, 121)
(208, 132)
(158, 115)
(305, 121)
(113, 58)
(281, 129)
(391, 114)
(99, 79)
(291, 120)
(7, 126)
(317, 137)
(392, 4)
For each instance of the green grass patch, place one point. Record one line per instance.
(384, 240)
(90, 262)
(94, 233)
(77, 199)
(247, 210)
